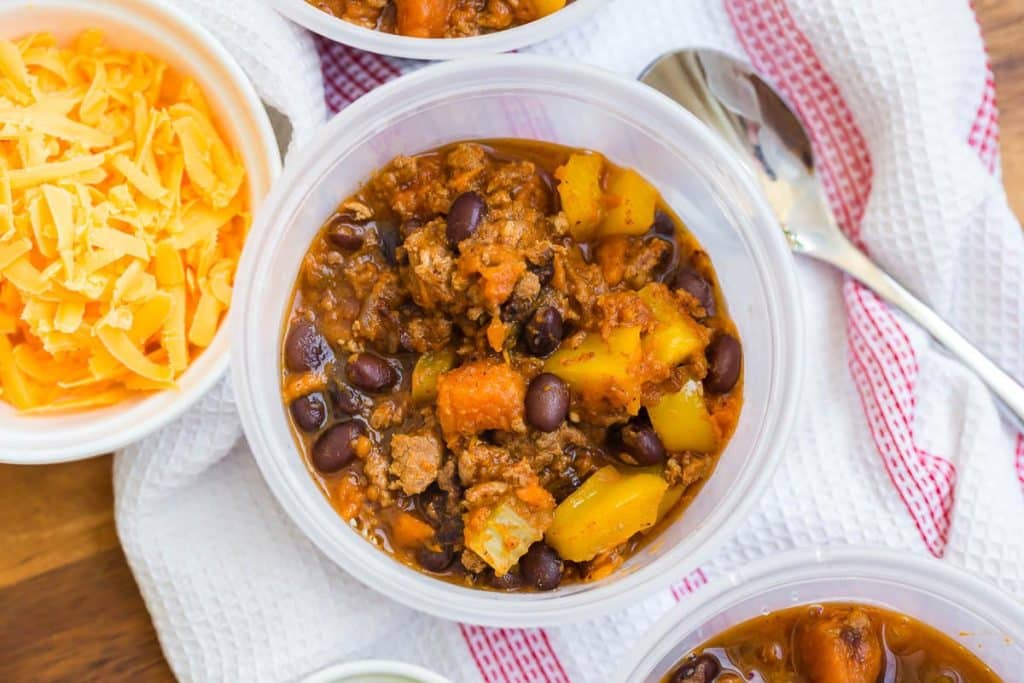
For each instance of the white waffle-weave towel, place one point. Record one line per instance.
(897, 445)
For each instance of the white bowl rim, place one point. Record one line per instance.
(346, 672)
(923, 572)
(393, 45)
(180, 400)
(367, 563)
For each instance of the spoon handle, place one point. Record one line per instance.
(852, 261)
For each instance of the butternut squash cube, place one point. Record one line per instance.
(600, 369)
(669, 500)
(682, 421)
(579, 187)
(676, 335)
(633, 201)
(604, 512)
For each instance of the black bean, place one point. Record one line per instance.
(547, 402)
(450, 530)
(346, 233)
(725, 356)
(464, 217)
(388, 239)
(551, 188)
(516, 309)
(691, 281)
(506, 582)
(541, 567)
(663, 224)
(345, 399)
(305, 348)
(668, 261)
(435, 560)
(309, 412)
(544, 271)
(567, 482)
(543, 333)
(336, 447)
(370, 373)
(641, 444)
(703, 668)
(432, 503)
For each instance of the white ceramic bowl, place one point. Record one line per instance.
(153, 27)
(538, 98)
(318, 21)
(375, 671)
(986, 621)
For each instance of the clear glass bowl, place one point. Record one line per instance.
(347, 33)
(986, 621)
(374, 671)
(542, 99)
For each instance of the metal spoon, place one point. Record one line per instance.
(756, 122)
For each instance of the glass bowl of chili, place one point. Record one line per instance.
(577, 106)
(987, 622)
(412, 47)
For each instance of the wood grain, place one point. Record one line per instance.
(1002, 23)
(54, 516)
(81, 621)
(69, 608)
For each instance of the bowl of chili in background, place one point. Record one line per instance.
(970, 612)
(175, 38)
(435, 48)
(577, 106)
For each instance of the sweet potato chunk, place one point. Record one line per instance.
(422, 18)
(479, 396)
(497, 267)
(408, 531)
(839, 648)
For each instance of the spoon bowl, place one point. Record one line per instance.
(769, 139)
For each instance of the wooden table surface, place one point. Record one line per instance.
(69, 607)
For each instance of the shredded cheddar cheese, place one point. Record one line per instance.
(122, 216)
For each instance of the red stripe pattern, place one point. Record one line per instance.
(984, 139)
(689, 584)
(513, 655)
(881, 358)
(1018, 460)
(984, 135)
(350, 73)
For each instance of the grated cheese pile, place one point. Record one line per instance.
(122, 217)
